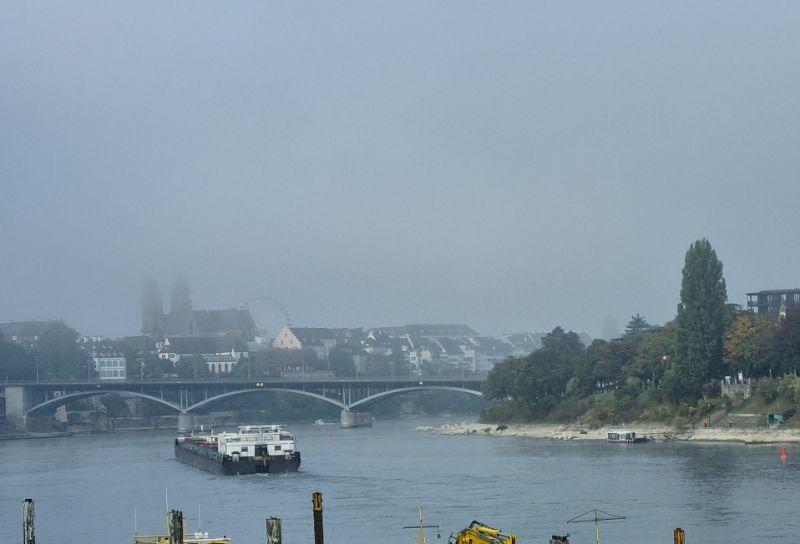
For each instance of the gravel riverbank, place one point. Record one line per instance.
(573, 432)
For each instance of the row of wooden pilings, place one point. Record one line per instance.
(175, 524)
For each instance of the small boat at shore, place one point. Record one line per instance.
(626, 437)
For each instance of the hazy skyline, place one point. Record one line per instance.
(513, 166)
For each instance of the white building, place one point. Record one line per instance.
(220, 354)
(110, 365)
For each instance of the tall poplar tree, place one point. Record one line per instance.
(700, 323)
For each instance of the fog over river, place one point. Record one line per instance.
(87, 488)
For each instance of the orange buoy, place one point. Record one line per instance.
(783, 454)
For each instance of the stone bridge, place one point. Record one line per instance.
(188, 397)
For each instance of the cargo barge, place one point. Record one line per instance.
(252, 449)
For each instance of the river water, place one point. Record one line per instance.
(87, 488)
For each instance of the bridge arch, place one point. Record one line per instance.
(392, 392)
(66, 399)
(203, 403)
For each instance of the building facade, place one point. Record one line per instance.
(183, 320)
(774, 302)
(220, 354)
(321, 340)
(109, 364)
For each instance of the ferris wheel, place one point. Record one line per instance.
(269, 314)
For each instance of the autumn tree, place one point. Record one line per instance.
(748, 342)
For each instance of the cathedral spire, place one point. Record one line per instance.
(152, 310)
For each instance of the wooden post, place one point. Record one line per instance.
(175, 526)
(679, 536)
(316, 502)
(28, 533)
(273, 530)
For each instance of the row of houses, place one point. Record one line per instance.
(456, 345)
(220, 354)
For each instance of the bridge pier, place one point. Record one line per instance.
(349, 419)
(185, 423)
(19, 399)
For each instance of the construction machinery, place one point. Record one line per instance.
(478, 533)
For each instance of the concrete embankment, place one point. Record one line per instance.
(572, 432)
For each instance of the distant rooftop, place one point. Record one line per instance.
(774, 292)
(315, 335)
(197, 345)
(429, 330)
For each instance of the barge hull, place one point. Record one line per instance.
(244, 465)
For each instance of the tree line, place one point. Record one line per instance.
(650, 367)
(57, 355)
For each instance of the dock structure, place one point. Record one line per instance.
(175, 526)
(316, 502)
(273, 530)
(273, 526)
(28, 530)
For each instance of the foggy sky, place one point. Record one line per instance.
(509, 165)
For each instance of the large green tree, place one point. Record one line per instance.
(341, 360)
(195, 367)
(601, 366)
(60, 356)
(784, 355)
(700, 323)
(536, 381)
(15, 363)
(654, 356)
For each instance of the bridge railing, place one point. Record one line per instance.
(474, 378)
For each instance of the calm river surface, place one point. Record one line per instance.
(87, 488)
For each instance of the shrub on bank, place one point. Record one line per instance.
(506, 412)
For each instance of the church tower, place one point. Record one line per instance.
(181, 319)
(152, 310)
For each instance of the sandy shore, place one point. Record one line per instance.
(573, 432)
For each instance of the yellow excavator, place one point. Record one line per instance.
(478, 533)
